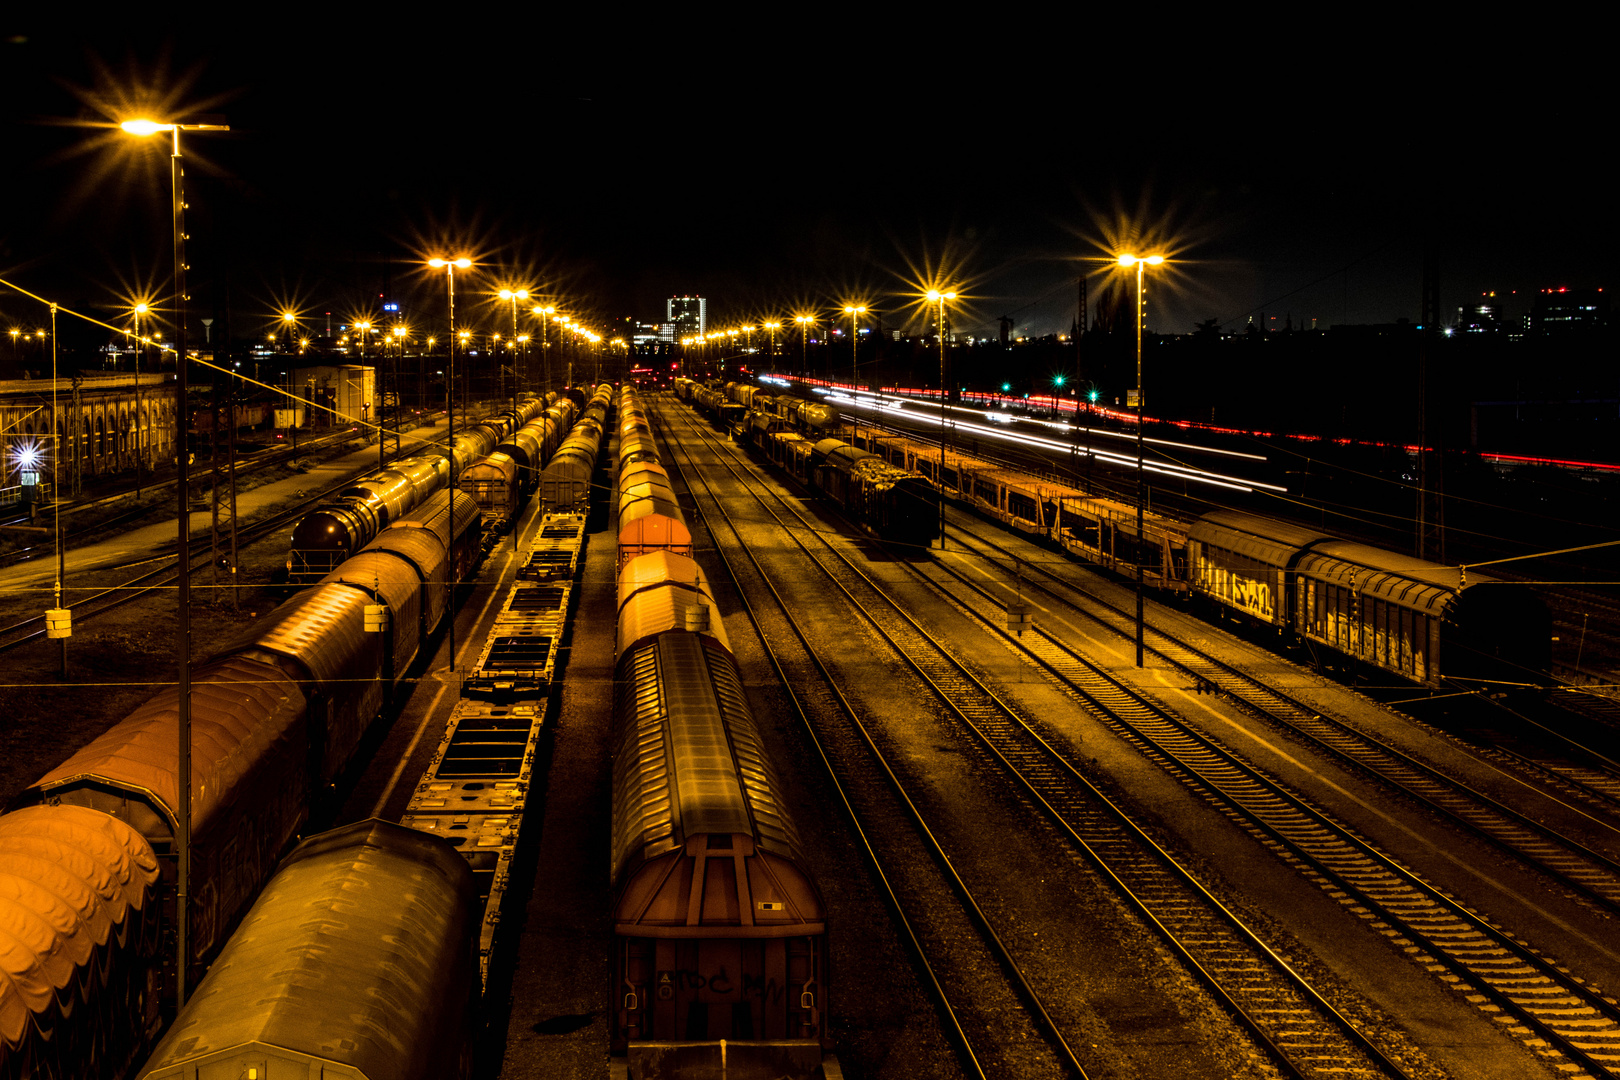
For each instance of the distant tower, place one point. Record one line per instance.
(688, 314)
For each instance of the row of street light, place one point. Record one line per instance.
(144, 128)
(938, 298)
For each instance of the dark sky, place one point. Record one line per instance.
(769, 168)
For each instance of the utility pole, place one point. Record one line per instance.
(1431, 523)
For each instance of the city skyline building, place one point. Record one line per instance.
(688, 314)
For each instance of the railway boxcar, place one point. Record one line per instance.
(1419, 620)
(493, 483)
(720, 958)
(358, 960)
(79, 916)
(252, 777)
(565, 483)
(650, 518)
(1243, 562)
(463, 529)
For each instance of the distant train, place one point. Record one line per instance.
(565, 482)
(720, 951)
(1420, 621)
(276, 718)
(324, 537)
(893, 502)
(502, 482)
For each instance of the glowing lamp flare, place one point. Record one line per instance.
(1132, 260)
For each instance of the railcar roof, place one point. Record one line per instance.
(1272, 542)
(689, 757)
(358, 954)
(241, 710)
(660, 568)
(68, 875)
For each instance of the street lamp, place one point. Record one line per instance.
(450, 267)
(772, 327)
(805, 323)
(182, 775)
(138, 310)
(514, 295)
(1141, 263)
(854, 314)
(937, 297)
(545, 311)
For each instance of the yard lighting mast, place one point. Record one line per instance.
(1141, 263)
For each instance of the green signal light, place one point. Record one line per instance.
(1057, 380)
(1092, 396)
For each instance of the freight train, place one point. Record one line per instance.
(503, 481)
(565, 482)
(1420, 621)
(893, 502)
(720, 933)
(276, 718)
(325, 537)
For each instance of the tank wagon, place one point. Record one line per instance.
(369, 905)
(323, 538)
(713, 403)
(893, 502)
(720, 955)
(276, 718)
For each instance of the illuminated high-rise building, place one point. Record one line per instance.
(688, 314)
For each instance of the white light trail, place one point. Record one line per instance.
(1167, 469)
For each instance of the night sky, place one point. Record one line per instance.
(615, 164)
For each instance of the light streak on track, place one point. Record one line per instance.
(881, 403)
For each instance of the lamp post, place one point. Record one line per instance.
(937, 297)
(514, 295)
(450, 266)
(545, 311)
(854, 314)
(182, 775)
(805, 323)
(1141, 263)
(139, 310)
(772, 327)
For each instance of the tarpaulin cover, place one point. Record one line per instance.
(68, 876)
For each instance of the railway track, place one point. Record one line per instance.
(1551, 1010)
(1589, 873)
(1303, 1033)
(110, 599)
(932, 906)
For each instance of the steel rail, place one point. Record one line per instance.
(951, 698)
